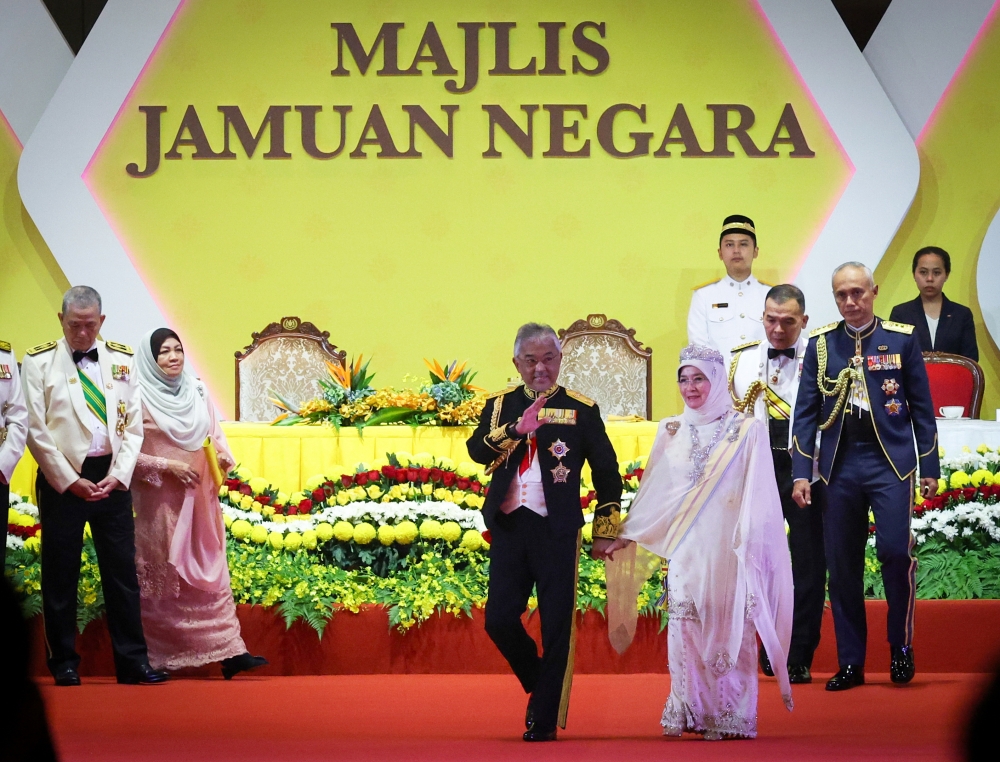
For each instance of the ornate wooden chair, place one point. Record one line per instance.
(287, 357)
(955, 380)
(603, 360)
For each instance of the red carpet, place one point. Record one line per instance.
(478, 717)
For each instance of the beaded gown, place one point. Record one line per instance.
(186, 625)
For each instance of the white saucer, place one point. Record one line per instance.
(960, 418)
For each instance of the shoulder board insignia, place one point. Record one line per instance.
(895, 327)
(4, 346)
(823, 329)
(125, 349)
(42, 348)
(499, 393)
(580, 398)
(741, 347)
(706, 283)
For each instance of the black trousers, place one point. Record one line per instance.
(4, 502)
(862, 477)
(524, 553)
(805, 542)
(113, 530)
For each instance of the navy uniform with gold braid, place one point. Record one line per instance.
(528, 549)
(866, 459)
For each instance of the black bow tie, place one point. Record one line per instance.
(78, 355)
(772, 353)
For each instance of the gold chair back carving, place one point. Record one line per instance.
(286, 357)
(603, 360)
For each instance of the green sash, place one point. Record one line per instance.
(94, 397)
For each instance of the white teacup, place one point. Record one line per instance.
(951, 411)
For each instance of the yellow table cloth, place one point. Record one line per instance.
(288, 455)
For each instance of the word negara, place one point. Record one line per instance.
(563, 130)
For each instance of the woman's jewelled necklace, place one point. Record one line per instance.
(699, 454)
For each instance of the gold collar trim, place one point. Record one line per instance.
(532, 394)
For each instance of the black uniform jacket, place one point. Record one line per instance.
(898, 393)
(956, 331)
(576, 431)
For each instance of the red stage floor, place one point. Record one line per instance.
(478, 717)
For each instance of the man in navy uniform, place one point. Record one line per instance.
(764, 381)
(534, 439)
(865, 387)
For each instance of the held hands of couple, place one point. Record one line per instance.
(87, 490)
(605, 549)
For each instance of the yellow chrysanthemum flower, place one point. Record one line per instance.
(386, 534)
(467, 470)
(364, 533)
(275, 540)
(451, 531)
(228, 521)
(472, 540)
(406, 532)
(313, 482)
(324, 531)
(34, 544)
(422, 460)
(343, 531)
(403, 458)
(243, 473)
(258, 535)
(959, 479)
(258, 484)
(292, 541)
(430, 529)
(981, 477)
(588, 532)
(982, 449)
(278, 518)
(310, 539)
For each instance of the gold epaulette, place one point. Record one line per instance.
(706, 283)
(42, 348)
(125, 349)
(741, 347)
(499, 393)
(823, 329)
(891, 325)
(580, 398)
(5, 346)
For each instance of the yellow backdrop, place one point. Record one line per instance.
(437, 257)
(31, 283)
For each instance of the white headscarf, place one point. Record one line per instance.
(177, 405)
(709, 362)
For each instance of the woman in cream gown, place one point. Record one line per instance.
(188, 612)
(709, 505)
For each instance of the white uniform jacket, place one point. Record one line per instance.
(726, 314)
(752, 364)
(13, 414)
(59, 436)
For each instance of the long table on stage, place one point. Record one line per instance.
(288, 455)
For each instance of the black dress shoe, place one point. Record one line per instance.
(529, 714)
(799, 674)
(540, 735)
(236, 664)
(901, 667)
(143, 676)
(848, 677)
(67, 676)
(765, 663)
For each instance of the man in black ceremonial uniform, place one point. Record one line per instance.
(534, 439)
(864, 385)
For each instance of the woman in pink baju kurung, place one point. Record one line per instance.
(188, 612)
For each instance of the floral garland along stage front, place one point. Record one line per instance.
(407, 533)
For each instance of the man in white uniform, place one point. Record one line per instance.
(728, 312)
(764, 381)
(85, 431)
(13, 425)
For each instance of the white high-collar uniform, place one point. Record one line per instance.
(13, 414)
(727, 313)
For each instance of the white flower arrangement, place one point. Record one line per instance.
(961, 520)
(373, 512)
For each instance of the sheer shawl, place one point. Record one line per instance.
(738, 479)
